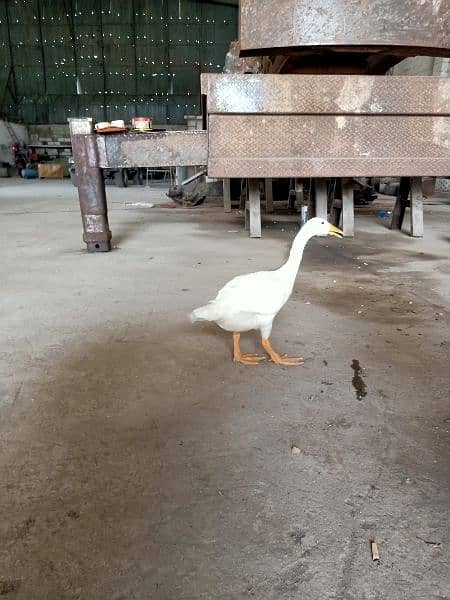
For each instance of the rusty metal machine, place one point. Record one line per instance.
(343, 36)
(94, 152)
(321, 108)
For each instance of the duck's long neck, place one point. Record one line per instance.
(291, 266)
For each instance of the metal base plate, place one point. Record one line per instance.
(98, 246)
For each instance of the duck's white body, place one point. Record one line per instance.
(248, 302)
(252, 301)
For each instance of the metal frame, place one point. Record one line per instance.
(272, 94)
(93, 152)
(410, 193)
(327, 126)
(161, 148)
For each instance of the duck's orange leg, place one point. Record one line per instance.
(245, 359)
(281, 360)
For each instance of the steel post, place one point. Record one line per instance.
(416, 210)
(91, 186)
(269, 195)
(227, 195)
(253, 209)
(348, 209)
(400, 206)
(321, 196)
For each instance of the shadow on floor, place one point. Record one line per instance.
(121, 476)
(145, 464)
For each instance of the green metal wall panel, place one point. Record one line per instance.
(109, 59)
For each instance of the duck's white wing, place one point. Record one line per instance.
(260, 292)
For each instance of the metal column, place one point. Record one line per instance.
(269, 195)
(227, 195)
(348, 209)
(91, 186)
(253, 209)
(321, 197)
(416, 211)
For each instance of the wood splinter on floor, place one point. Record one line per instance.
(375, 553)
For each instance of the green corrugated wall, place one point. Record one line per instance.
(109, 59)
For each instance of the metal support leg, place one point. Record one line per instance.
(292, 198)
(180, 175)
(91, 186)
(308, 197)
(269, 195)
(321, 198)
(227, 195)
(348, 209)
(416, 211)
(335, 213)
(400, 205)
(299, 195)
(244, 194)
(244, 198)
(254, 208)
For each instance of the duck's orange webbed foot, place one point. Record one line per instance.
(290, 361)
(244, 359)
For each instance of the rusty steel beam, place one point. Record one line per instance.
(251, 146)
(327, 126)
(164, 148)
(402, 27)
(326, 94)
(91, 186)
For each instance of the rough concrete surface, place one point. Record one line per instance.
(137, 461)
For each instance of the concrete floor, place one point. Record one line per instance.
(137, 461)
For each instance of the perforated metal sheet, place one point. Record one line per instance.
(422, 26)
(322, 94)
(328, 146)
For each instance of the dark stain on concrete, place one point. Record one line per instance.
(8, 585)
(358, 381)
(73, 514)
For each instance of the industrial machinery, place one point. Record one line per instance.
(190, 192)
(119, 177)
(320, 107)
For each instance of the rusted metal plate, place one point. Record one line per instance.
(422, 25)
(234, 63)
(322, 94)
(165, 148)
(328, 146)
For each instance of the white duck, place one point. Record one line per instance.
(252, 301)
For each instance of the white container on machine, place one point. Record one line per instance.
(142, 123)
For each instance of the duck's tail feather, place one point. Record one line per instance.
(204, 313)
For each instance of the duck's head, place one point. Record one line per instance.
(318, 226)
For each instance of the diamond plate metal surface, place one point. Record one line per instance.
(165, 148)
(411, 26)
(322, 94)
(328, 146)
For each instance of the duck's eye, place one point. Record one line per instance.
(323, 222)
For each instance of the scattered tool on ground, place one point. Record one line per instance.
(375, 552)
